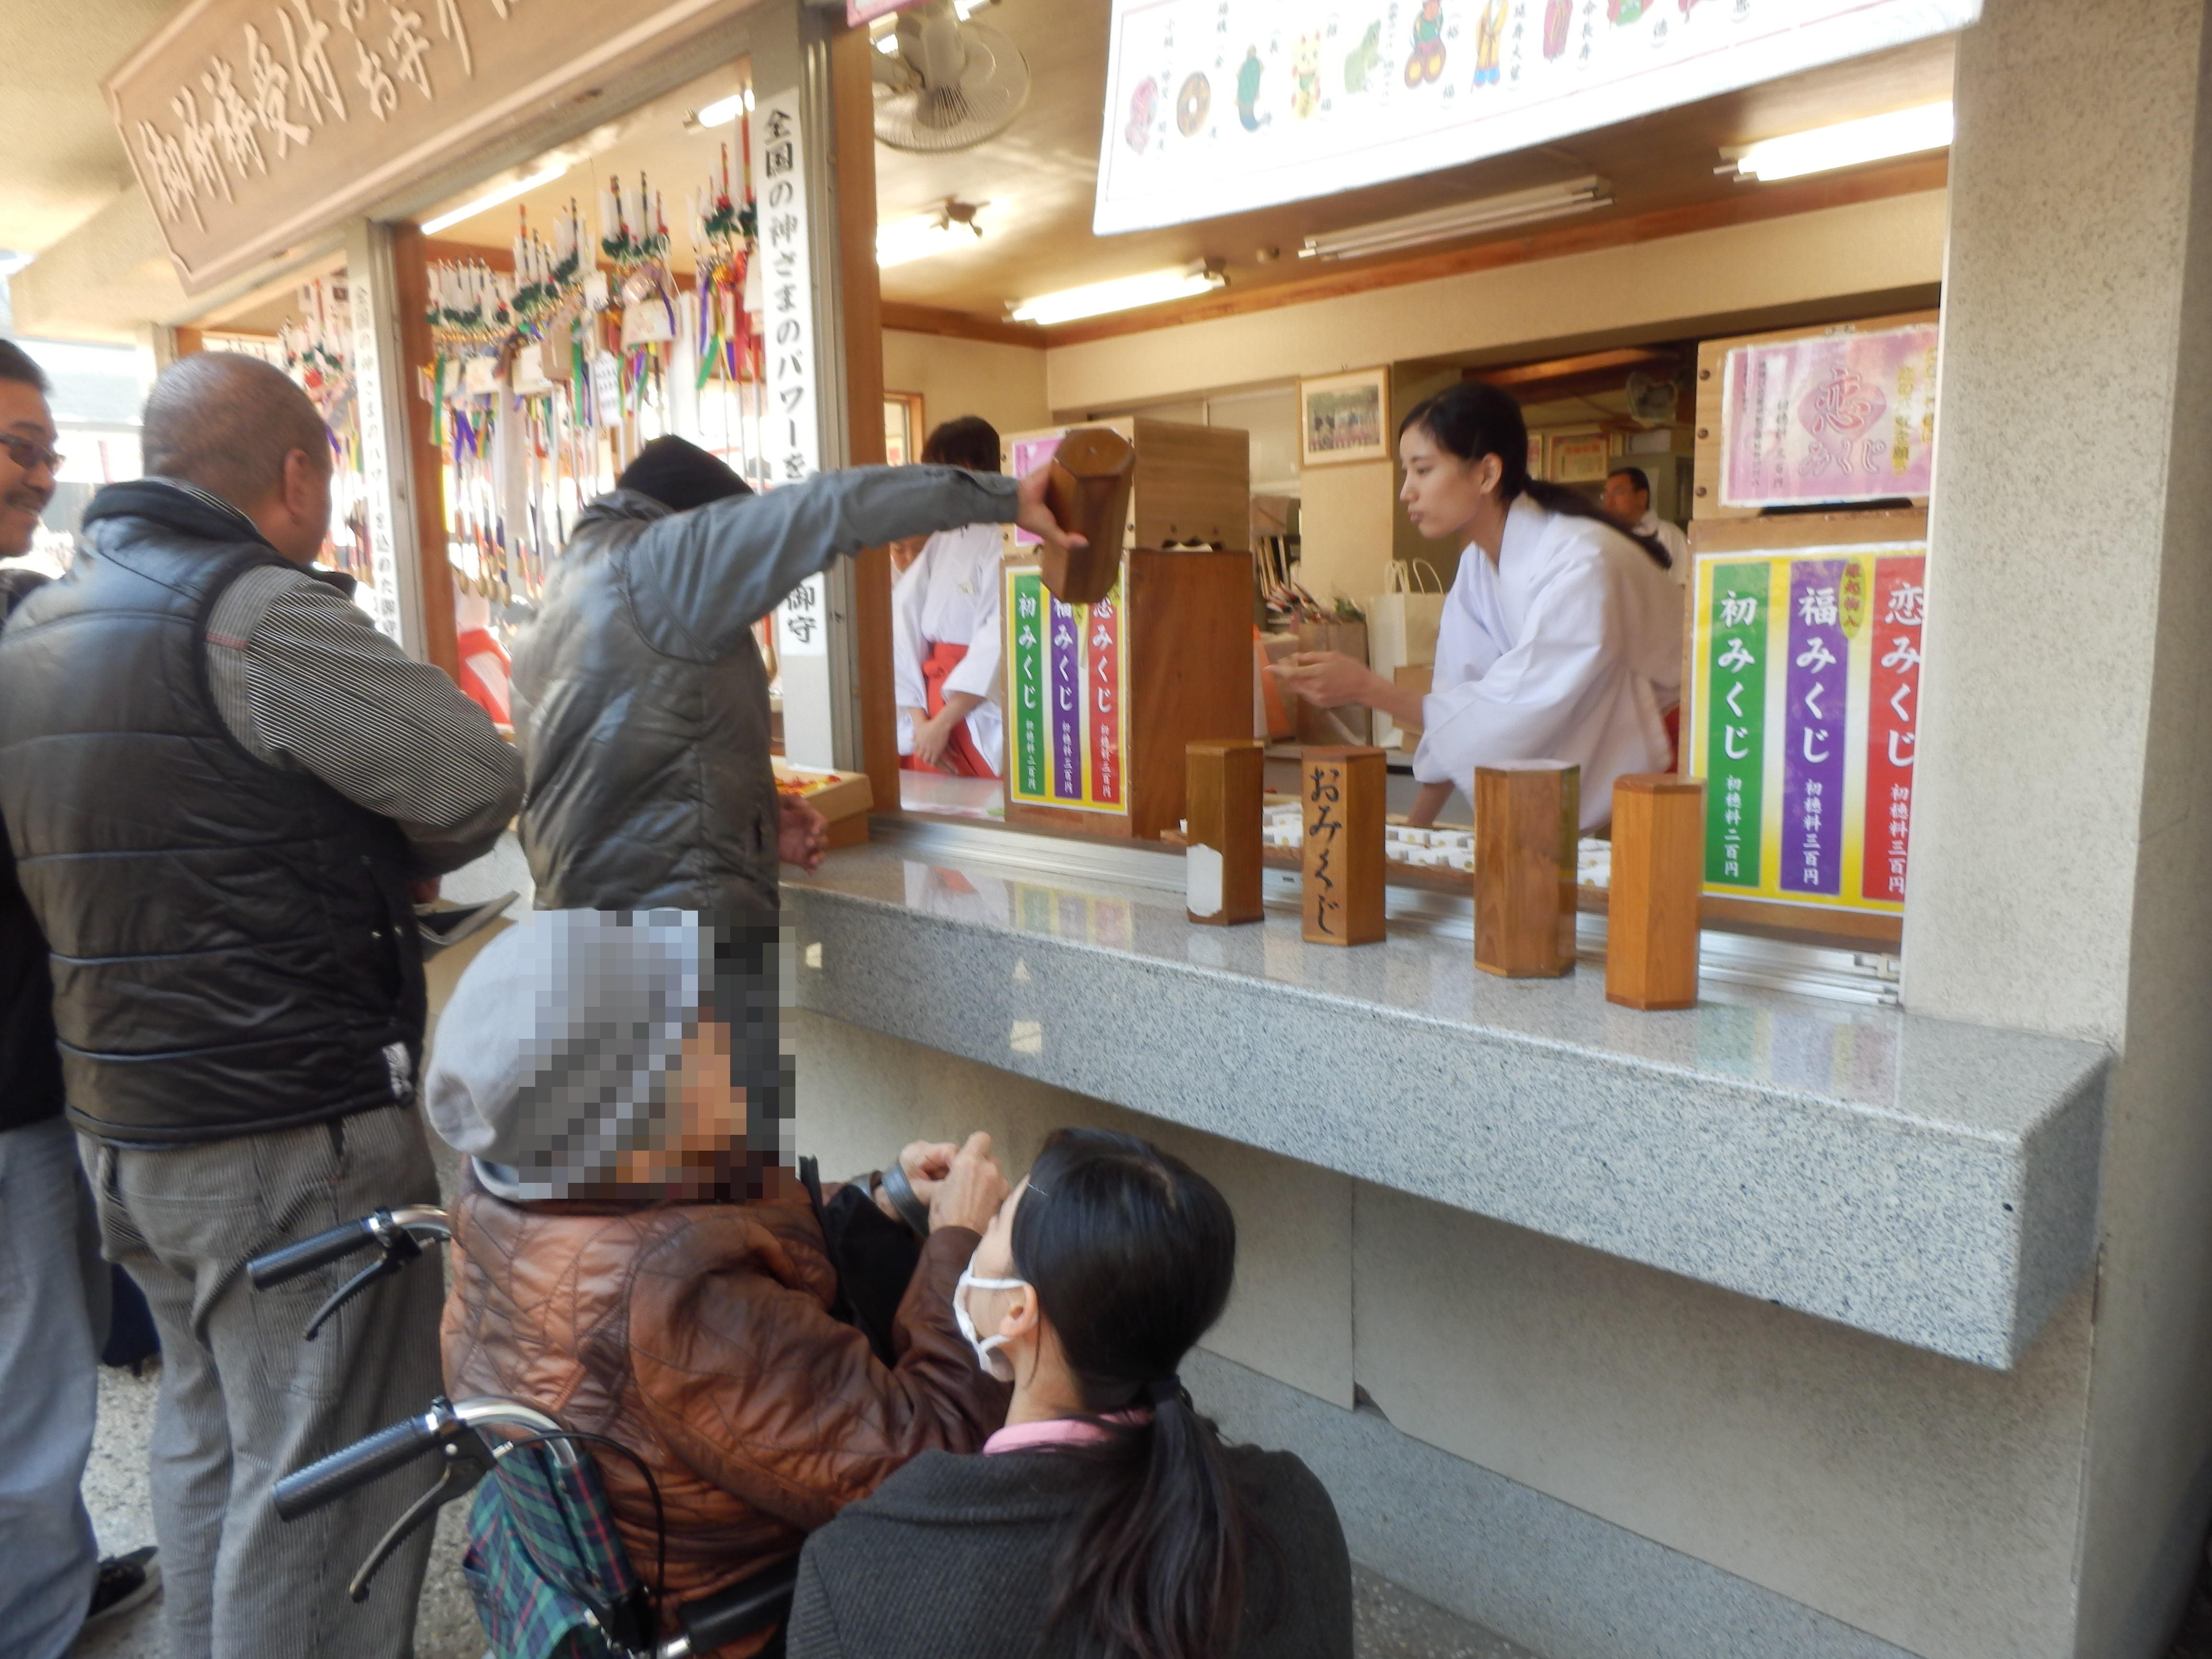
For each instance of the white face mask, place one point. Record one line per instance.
(994, 1363)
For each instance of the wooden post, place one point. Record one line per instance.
(1222, 862)
(1658, 871)
(1341, 789)
(411, 273)
(1527, 816)
(860, 298)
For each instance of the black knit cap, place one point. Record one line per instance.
(680, 475)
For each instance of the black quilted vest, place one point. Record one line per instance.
(233, 949)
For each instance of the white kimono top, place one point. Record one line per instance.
(1671, 538)
(1570, 648)
(951, 592)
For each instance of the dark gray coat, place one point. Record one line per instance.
(952, 1558)
(641, 702)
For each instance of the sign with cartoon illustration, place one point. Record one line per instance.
(1806, 707)
(1217, 106)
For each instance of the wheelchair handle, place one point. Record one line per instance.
(354, 1466)
(417, 1221)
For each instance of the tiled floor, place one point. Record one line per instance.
(1390, 1623)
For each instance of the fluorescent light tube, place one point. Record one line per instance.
(1877, 138)
(1123, 294)
(1520, 207)
(492, 198)
(723, 111)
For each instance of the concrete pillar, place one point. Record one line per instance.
(2061, 876)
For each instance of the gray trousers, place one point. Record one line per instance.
(53, 1303)
(245, 1402)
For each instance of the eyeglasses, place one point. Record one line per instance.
(29, 454)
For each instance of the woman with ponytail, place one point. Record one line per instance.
(1562, 641)
(1107, 1520)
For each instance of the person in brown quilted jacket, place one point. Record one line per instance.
(624, 1261)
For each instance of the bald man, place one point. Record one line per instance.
(222, 786)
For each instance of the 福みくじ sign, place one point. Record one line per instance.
(1066, 729)
(1805, 715)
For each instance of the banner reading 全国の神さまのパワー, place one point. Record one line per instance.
(1804, 720)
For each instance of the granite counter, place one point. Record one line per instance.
(1932, 1182)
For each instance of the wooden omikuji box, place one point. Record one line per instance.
(1193, 483)
(1221, 839)
(1102, 701)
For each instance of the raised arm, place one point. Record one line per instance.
(700, 578)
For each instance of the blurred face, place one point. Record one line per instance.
(27, 466)
(705, 1141)
(1622, 499)
(1442, 493)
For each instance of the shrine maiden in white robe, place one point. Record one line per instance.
(1570, 648)
(951, 592)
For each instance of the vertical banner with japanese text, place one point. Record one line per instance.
(1813, 722)
(1735, 720)
(1805, 674)
(1066, 729)
(1024, 655)
(1900, 589)
(790, 441)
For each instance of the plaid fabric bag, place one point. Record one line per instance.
(546, 1567)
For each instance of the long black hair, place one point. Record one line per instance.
(1474, 418)
(1130, 1253)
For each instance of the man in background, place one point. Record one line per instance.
(55, 1301)
(1627, 497)
(223, 788)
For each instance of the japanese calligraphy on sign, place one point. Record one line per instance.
(1829, 418)
(1215, 107)
(254, 125)
(1806, 686)
(1066, 727)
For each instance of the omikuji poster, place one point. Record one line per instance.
(1066, 725)
(1829, 418)
(1217, 106)
(1805, 719)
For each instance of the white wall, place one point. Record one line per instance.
(1868, 248)
(1004, 383)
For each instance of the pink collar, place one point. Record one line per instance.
(1054, 1432)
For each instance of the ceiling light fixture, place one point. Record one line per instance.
(947, 230)
(492, 198)
(1123, 294)
(1519, 207)
(723, 111)
(1848, 145)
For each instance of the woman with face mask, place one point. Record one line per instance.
(1107, 1520)
(1562, 637)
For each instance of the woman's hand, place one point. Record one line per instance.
(1329, 679)
(931, 738)
(802, 836)
(1034, 516)
(972, 1190)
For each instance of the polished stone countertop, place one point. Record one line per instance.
(1932, 1182)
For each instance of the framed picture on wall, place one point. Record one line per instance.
(1536, 455)
(1577, 454)
(904, 431)
(1345, 417)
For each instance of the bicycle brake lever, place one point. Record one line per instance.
(468, 1460)
(399, 1249)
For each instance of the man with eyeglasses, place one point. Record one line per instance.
(56, 1299)
(223, 786)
